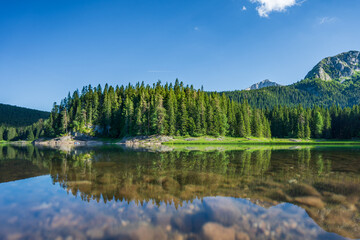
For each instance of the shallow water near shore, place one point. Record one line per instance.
(213, 193)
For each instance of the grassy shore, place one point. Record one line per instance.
(3, 142)
(209, 140)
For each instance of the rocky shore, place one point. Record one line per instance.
(70, 142)
(145, 140)
(67, 142)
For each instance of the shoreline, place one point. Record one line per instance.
(148, 141)
(257, 141)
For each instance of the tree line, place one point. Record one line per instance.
(19, 116)
(28, 133)
(179, 110)
(159, 109)
(317, 122)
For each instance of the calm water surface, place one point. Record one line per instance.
(116, 193)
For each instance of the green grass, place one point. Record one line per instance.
(3, 142)
(208, 140)
(231, 142)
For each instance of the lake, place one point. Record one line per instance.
(245, 192)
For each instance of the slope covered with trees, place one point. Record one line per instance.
(308, 93)
(316, 122)
(19, 116)
(144, 110)
(28, 133)
(181, 110)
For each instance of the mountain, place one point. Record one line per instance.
(19, 116)
(334, 80)
(340, 67)
(262, 84)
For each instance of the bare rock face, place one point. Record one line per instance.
(339, 67)
(262, 84)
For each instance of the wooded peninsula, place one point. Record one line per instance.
(179, 110)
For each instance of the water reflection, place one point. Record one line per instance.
(243, 194)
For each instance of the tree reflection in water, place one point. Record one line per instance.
(251, 182)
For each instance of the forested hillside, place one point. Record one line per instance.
(308, 93)
(182, 110)
(161, 109)
(19, 116)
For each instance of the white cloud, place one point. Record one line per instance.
(325, 20)
(268, 6)
(244, 8)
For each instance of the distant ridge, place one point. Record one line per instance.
(19, 116)
(262, 84)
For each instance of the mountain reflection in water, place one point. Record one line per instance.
(308, 193)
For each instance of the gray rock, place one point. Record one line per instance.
(339, 67)
(262, 84)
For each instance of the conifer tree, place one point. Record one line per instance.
(246, 113)
(241, 125)
(184, 118)
(327, 124)
(161, 115)
(29, 135)
(307, 130)
(128, 113)
(171, 117)
(257, 125)
(1, 133)
(10, 134)
(301, 126)
(319, 124)
(64, 121)
(106, 109)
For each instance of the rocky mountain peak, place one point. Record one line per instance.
(339, 67)
(262, 84)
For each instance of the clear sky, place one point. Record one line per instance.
(48, 48)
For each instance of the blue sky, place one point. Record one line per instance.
(48, 48)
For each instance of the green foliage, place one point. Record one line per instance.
(181, 110)
(160, 109)
(29, 135)
(2, 129)
(319, 124)
(308, 93)
(10, 134)
(17, 116)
